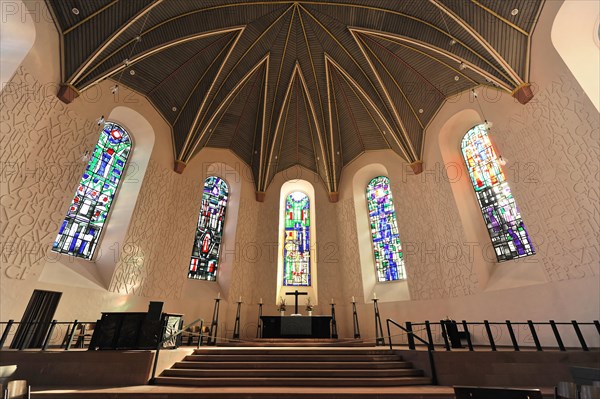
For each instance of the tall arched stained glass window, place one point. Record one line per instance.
(296, 242)
(502, 218)
(207, 245)
(88, 212)
(389, 260)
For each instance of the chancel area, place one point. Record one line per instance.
(354, 198)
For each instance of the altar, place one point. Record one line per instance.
(296, 326)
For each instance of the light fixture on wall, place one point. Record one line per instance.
(502, 161)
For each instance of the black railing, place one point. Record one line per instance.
(411, 337)
(492, 334)
(170, 338)
(60, 335)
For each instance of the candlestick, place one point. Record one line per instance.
(219, 295)
(240, 300)
(374, 295)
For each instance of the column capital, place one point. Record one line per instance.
(179, 166)
(67, 93)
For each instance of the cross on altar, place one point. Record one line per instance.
(296, 293)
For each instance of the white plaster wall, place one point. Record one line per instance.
(578, 21)
(17, 36)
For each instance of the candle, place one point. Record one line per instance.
(374, 295)
(332, 301)
(240, 300)
(260, 301)
(353, 300)
(219, 295)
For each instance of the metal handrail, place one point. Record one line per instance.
(67, 340)
(170, 337)
(412, 335)
(509, 326)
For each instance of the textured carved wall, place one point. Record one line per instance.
(41, 142)
(349, 257)
(159, 241)
(437, 261)
(556, 144)
(246, 253)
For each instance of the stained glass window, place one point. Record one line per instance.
(205, 255)
(498, 206)
(296, 242)
(88, 212)
(389, 260)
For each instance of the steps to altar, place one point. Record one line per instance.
(279, 367)
(293, 343)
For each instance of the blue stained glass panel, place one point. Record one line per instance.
(296, 242)
(80, 230)
(387, 249)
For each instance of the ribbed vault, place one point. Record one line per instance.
(310, 83)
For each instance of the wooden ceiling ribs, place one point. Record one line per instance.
(364, 74)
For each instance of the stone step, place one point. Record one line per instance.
(293, 382)
(294, 343)
(294, 365)
(190, 392)
(292, 358)
(291, 373)
(291, 351)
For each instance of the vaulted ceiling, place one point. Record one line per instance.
(310, 83)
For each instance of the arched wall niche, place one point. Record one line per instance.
(97, 273)
(229, 170)
(307, 188)
(491, 275)
(17, 37)
(575, 36)
(386, 291)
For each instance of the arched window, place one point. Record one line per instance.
(502, 218)
(88, 213)
(389, 260)
(296, 242)
(205, 255)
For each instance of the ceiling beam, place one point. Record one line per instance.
(437, 50)
(481, 40)
(150, 52)
(186, 157)
(73, 79)
(388, 126)
(297, 73)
